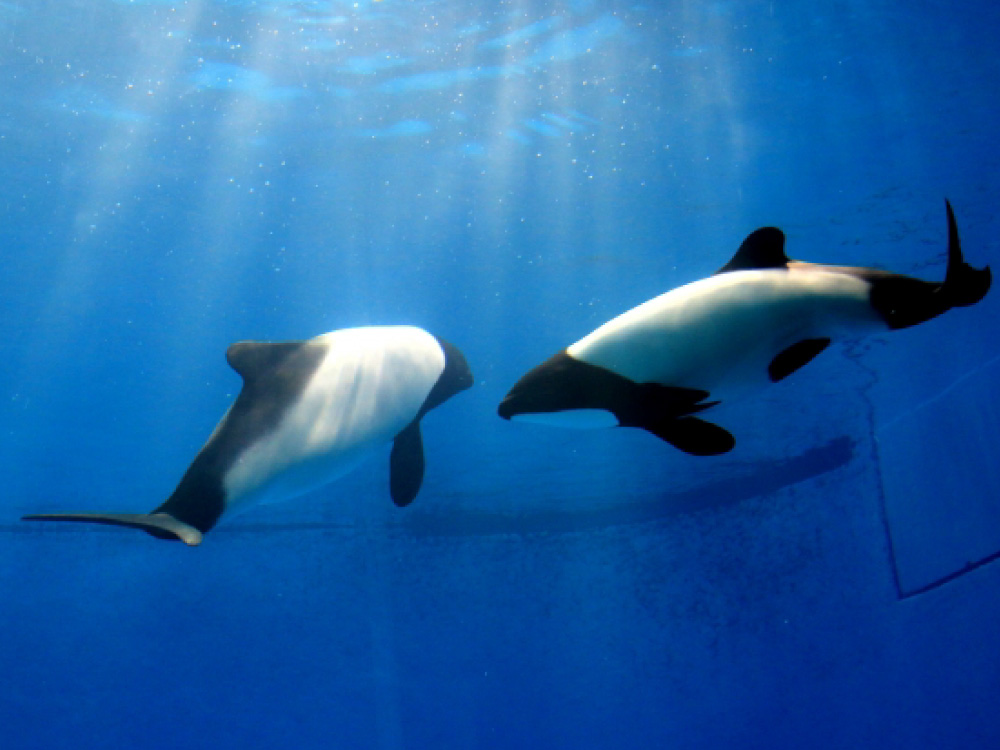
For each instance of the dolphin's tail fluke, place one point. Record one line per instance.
(904, 301)
(160, 525)
(963, 284)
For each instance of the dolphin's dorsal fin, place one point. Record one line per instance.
(763, 248)
(251, 358)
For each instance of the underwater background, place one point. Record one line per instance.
(177, 176)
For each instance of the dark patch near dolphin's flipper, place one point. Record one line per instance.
(406, 465)
(763, 248)
(661, 401)
(692, 435)
(564, 383)
(794, 357)
(665, 411)
(160, 525)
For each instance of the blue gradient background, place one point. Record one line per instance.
(181, 175)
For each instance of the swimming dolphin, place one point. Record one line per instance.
(757, 320)
(308, 412)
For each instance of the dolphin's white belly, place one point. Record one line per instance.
(370, 386)
(719, 334)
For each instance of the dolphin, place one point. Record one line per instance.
(757, 320)
(308, 412)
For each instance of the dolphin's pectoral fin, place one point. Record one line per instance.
(406, 465)
(692, 435)
(794, 357)
(160, 525)
(665, 411)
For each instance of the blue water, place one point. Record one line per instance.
(181, 175)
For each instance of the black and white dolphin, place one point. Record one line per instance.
(757, 320)
(308, 412)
